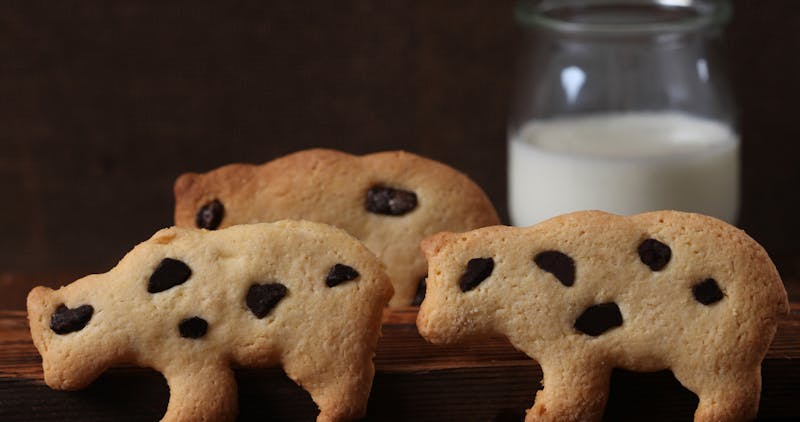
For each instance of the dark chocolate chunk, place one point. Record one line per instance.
(707, 292)
(654, 254)
(478, 269)
(65, 320)
(390, 201)
(194, 327)
(559, 264)
(210, 215)
(340, 273)
(261, 298)
(422, 287)
(598, 319)
(169, 273)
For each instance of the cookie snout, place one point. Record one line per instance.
(432, 327)
(54, 325)
(442, 325)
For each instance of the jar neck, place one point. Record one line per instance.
(620, 19)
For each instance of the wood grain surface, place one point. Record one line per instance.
(415, 381)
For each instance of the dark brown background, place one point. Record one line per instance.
(103, 104)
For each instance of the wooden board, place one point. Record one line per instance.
(415, 381)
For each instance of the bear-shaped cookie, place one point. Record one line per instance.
(190, 303)
(589, 291)
(388, 200)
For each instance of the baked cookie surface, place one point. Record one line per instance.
(388, 200)
(587, 292)
(190, 303)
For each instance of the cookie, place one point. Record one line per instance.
(389, 200)
(587, 292)
(192, 303)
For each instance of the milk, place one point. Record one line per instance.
(623, 163)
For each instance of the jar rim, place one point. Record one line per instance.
(685, 15)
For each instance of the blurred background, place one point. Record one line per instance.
(104, 104)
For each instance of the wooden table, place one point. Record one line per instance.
(415, 381)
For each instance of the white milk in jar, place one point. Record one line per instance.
(623, 163)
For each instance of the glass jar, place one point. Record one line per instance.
(622, 106)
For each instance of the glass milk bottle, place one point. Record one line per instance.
(622, 106)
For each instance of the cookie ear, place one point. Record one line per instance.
(165, 236)
(184, 183)
(433, 244)
(40, 304)
(37, 298)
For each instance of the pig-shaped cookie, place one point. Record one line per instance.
(191, 303)
(587, 292)
(388, 200)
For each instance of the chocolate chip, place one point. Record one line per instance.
(654, 254)
(261, 298)
(478, 269)
(598, 319)
(194, 327)
(65, 320)
(210, 215)
(558, 264)
(169, 273)
(422, 287)
(390, 201)
(340, 273)
(707, 292)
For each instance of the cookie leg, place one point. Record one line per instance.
(201, 393)
(339, 390)
(730, 396)
(571, 394)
